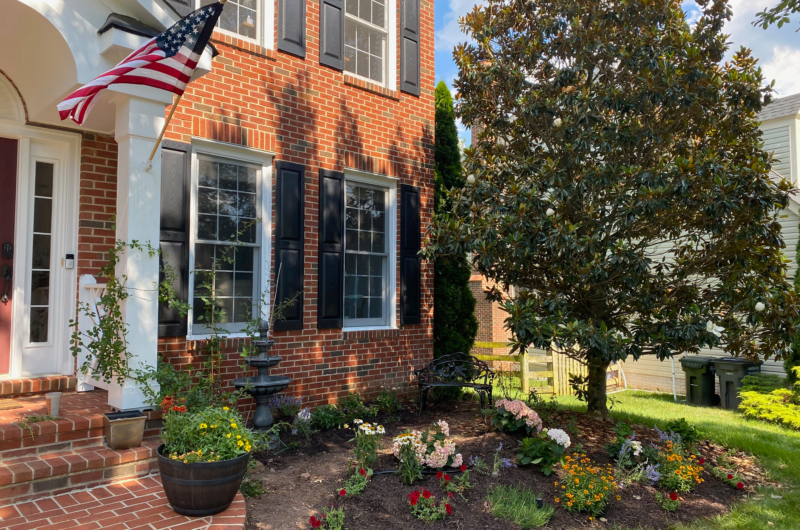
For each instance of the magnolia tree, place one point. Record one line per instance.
(618, 182)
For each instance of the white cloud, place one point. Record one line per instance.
(784, 68)
(449, 34)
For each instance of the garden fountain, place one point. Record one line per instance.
(263, 385)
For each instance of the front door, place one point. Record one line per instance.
(8, 195)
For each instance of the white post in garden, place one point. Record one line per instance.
(139, 121)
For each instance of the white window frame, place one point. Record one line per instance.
(390, 61)
(390, 303)
(241, 155)
(265, 25)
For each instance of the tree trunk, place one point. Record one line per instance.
(596, 397)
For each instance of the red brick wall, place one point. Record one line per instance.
(322, 118)
(98, 201)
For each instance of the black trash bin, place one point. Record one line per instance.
(699, 380)
(731, 371)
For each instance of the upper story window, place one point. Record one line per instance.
(245, 18)
(366, 34)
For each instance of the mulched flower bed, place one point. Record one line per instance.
(302, 481)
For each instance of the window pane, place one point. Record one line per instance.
(362, 286)
(203, 256)
(226, 255)
(363, 265)
(376, 286)
(376, 69)
(224, 283)
(227, 203)
(362, 64)
(225, 308)
(352, 218)
(40, 288)
(349, 59)
(362, 40)
(378, 221)
(376, 266)
(379, 201)
(244, 259)
(362, 308)
(244, 284)
(378, 17)
(365, 217)
(39, 317)
(352, 7)
(247, 205)
(242, 309)
(375, 308)
(227, 176)
(350, 264)
(247, 179)
(206, 227)
(44, 180)
(351, 240)
(199, 308)
(41, 251)
(247, 21)
(375, 43)
(349, 285)
(364, 243)
(207, 200)
(365, 198)
(227, 229)
(364, 9)
(208, 174)
(42, 215)
(350, 308)
(228, 18)
(378, 242)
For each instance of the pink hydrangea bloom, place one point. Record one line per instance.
(521, 411)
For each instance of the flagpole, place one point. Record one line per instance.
(149, 163)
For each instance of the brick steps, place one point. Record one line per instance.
(47, 473)
(36, 385)
(129, 504)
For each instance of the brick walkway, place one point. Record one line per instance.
(139, 504)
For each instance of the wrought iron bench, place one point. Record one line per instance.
(455, 370)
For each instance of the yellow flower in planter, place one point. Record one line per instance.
(229, 435)
(224, 408)
(240, 443)
(233, 425)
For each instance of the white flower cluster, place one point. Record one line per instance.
(559, 437)
(636, 447)
(444, 427)
(439, 453)
(370, 429)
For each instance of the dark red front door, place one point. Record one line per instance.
(8, 196)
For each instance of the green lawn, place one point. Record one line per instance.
(777, 448)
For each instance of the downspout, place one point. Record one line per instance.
(674, 387)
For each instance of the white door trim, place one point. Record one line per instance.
(64, 148)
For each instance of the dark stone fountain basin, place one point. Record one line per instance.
(262, 385)
(263, 362)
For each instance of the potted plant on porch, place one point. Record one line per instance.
(204, 457)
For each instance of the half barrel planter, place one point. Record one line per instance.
(203, 488)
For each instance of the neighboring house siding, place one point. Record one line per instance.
(779, 141)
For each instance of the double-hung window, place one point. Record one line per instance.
(366, 37)
(227, 239)
(367, 292)
(245, 18)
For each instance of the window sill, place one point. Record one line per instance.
(228, 336)
(243, 44)
(367, 328)
(357, 82)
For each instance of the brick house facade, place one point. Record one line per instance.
(266, 110)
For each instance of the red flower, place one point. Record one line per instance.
(447, 478)
(450, 493)
(363, 472)
(439, 474)
(315, 523)
(414, 495)
(730, 477)
(463, 467)
(701, 461)
(740, 485)
(342, 492)
(448, 508)
(673, 496)
(426, 494)
(413, 502)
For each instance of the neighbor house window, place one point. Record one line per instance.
(227, 239)
(241, 17)
(366, 268)
(366, 34)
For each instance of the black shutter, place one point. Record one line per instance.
(289, 230)
(330, 296)
(292, 26)
(174, 238)
(331, 33)
(409, 47)
(410, 275)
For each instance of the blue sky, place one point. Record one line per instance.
(778, 50)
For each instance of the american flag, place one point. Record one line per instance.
(167, 61)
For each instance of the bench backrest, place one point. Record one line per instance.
(456, 368)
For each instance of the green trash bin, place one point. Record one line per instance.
(699, 380)
(731, 371)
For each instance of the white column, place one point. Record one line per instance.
(138, 124)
